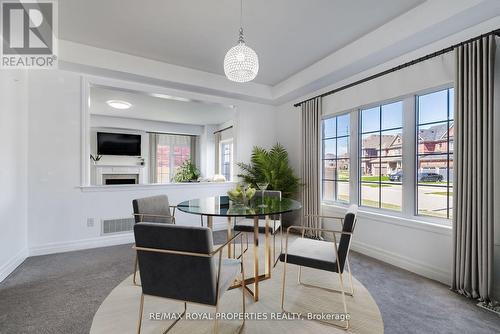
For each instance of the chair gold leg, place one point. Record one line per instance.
(229, 236)
(343, 299)
(283, 286)
(274, 248)
(267, 250)
(275, 260)
(216, 320)
(256, 258)
(314, 286)
(177, 320)
(141, 311)
(241, 248)
(351, 294)
(350, 277)
(141, 308)
(135, 270)
(243, 288)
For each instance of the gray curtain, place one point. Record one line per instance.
(310, 160)
(217, 138)
(194, 150)
(473, 182)
(153, 141)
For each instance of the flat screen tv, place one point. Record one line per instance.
(118, 144)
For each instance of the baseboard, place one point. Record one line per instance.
(404, 262)
(68, 246)
(13, 263)
(496, 293)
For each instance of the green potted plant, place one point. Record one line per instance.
(272, 167)
(187, 172)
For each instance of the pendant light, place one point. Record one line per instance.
(241, 63)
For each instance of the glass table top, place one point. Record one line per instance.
(222, 206)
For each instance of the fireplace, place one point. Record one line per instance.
(112, 179)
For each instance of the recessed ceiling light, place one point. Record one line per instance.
(118, 104)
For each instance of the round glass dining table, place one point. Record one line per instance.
(222, 206)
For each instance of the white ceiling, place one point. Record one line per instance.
(151, 108)
(288, 35)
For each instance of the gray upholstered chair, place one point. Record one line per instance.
(247, 224)
(180, 263)
(154, 209)
(323, 255)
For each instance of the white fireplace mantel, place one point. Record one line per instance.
(100, 170)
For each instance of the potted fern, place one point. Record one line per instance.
(270, 166)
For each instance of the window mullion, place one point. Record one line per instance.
(409, 152)
(353, 158)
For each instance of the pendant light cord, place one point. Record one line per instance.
(241, 13)
(241, 39)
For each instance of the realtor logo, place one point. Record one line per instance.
(28, 34)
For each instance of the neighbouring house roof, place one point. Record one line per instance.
(434, 133)
(373, 141)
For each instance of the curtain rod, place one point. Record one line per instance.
(222, 130)
(399, 67)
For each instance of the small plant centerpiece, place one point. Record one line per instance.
(187, 172)
(241, 195)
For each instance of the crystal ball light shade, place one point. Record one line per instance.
(241, 63)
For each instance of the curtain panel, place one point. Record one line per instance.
(217, 139)
(472, 272)
(153, 143)
(310, 161)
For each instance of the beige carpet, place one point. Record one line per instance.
(119, 311)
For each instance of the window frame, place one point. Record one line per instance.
(221, 154)
(408, 154)
(380, 131)
(171, 157)
(449, 183)
(322, 158)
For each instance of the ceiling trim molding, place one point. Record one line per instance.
(422, 30)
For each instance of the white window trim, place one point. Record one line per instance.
(231, 163)
(409, 196)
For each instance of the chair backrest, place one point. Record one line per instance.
(154, 205)
(345, 239)
(181, 277)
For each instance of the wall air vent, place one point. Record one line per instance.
(120, 225)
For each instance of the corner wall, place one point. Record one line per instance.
(13, 171)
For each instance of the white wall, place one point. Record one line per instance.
(13, 171)
(58, 209)
(435, 72)
(254, 126)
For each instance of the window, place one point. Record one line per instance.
(226, 159)
(171, 152)
(381, 139)
(434, 193)
(336, 157)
